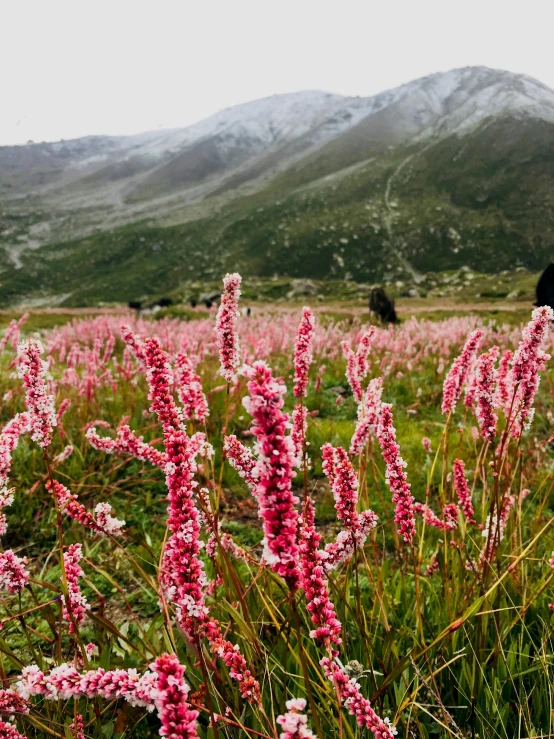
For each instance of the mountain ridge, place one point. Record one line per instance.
(210, 180)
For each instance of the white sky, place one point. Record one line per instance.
(75, 67)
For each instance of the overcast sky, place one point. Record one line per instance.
(75, 67)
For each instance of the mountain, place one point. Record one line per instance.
(452, 170)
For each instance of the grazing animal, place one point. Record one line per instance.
(135, 305)
(165, 302)
(382, 305)
(545, 287)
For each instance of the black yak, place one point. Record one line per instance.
(382, 305)
(545, 287)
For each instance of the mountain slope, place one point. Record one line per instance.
(452, 170)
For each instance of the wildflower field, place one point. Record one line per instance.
(283, 525)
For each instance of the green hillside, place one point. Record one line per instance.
(364, 213)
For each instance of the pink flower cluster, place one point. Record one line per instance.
(8, 731)
(368, 415)
(242, 460)
(12, 703)
(346, 543)
(133, 342)
(65, 682)
(126, 443)
(459, 372)
(314, 582)
(13, 575)
(171, 697)
(447, 523)
(40, 404)
(395, 475)
(298, 431)
(226, 327)
(357, 705)
(182, 570)
(485, 379)
(9, 439)
(463, 492)
(303, 353)
(294, 723)
(182, 576)
(189, 389)
(63, 455)
(76, 605)
(77, 727)
(12, 332)
(528, 361)
(276, 502)
(68, 503)
(503, 395)
(344, 484)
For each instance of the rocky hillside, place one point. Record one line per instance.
(453, 170)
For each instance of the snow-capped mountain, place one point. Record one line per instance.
(280, 147)
(270, 132)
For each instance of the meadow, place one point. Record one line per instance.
(285, 525)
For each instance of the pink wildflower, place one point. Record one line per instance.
(303, 352)
(70, 505)
(76, 727)
(276, 458)
(395, 475)
(8, 731)
(226, 327)
(368, 415)
(63, 455)
(76, 605)
(13, 575)
(504, 390)
(65, 682)
(344, 484)
(241, 459)
(362, 351)
(177, 718)
(40, 404)
(294, 723)
(11, 703)
(485, 374)
(459, 371)
(62, 410)
(328, 462)
(528, 361)
(450, 513)
(182, 570)
(432, 568)
(9, 439)
(426, 443)
(348, 541)
(182, 576)
(106, 522)
(352, 372)
(189, 389)
(299, 429)
(314, 582)
(134, 343)
(357, 705)
(462, 491)
(126, 443)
